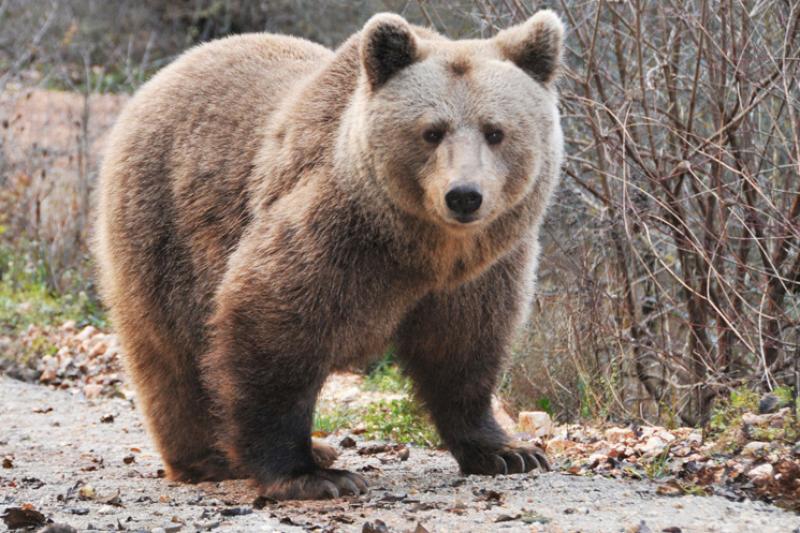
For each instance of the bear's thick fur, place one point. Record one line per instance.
(271, 211)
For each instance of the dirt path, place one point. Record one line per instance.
(95, 475)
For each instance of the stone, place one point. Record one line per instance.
(619, 435)
(761, 474)
(652, 446)
(536, 423)
(769, 403)
(755, 449)
(92, 390)
(559, 446)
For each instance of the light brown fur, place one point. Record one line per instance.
(270, 212)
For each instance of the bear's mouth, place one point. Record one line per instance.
(466, 219)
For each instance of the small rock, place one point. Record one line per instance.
(86, 332)
(537, 423)
(378, 527)
(619, 435)
(769, 403)
(669, 489)
(596, 459)
(761, 474)
(86, 492)
(48, 375)
(558, 446)
(98, 349)
(92, 390)
(618, 451)
(755, 449)
(347, 442)
(8, 462)
(752, 419)
(236, 511)
(653, 446)
(107, 418)
(207, 526)
(403, 453)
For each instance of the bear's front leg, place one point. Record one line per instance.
(452, 345)
(264, 371)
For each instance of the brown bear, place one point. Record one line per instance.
(271, 211)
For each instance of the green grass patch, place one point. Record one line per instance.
(332, 420)
(399, 421)
(726, 425)
(658, 467)
(27, 299)
(386, 376)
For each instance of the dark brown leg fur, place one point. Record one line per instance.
(266, 396)
(452, 345)
(176, 408)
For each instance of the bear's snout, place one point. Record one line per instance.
(463, 201)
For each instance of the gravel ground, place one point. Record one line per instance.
(69, 459)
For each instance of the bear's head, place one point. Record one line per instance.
(457, 132)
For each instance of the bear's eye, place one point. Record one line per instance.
(433, 136)
(494, 136)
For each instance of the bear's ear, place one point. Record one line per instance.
(388, 45)
(535, 45)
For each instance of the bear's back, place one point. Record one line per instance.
(173, 193)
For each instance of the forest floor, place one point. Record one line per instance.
(87, 463)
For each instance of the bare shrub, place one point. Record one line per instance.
(681, 277)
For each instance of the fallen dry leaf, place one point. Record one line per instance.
(23, 517)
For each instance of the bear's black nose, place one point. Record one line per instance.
(463, 200)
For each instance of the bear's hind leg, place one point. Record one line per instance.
(176, 408)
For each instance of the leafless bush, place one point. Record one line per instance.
(681, 120)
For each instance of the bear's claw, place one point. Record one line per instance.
(321, 484)
(513, 459)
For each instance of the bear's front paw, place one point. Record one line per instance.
(510, 459)
(320, 484)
